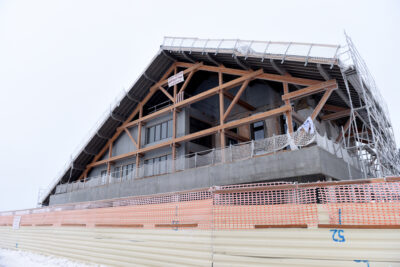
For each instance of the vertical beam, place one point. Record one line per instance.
(289, 119)
(345, 128)
(139, 141)
(221, 110)
(110, 147)
(174, 120)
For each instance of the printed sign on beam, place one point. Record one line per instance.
(175, 79)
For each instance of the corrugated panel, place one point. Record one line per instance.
(261, 247)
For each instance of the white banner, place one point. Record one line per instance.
(308, 126)
(16, 222)
(177, 78)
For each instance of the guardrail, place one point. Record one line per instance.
(211, 157)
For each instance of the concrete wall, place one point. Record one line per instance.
(311, 163)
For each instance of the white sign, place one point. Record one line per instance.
(16, 222)
(177, 78)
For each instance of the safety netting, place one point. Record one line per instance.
(373, 202)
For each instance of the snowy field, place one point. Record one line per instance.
(13, 258)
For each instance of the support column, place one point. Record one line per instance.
(109, 163)
(139, 140)
(221, 115)
(289, 120)
(174, 126)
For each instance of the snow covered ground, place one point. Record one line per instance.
(17, 258)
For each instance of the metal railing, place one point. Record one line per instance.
(306, 52)
(211, 157)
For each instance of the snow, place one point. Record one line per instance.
(18, 258)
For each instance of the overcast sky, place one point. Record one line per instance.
(63, 62)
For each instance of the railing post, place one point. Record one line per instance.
(195, 160)
(230, 148)
(274, 148)
(213, 156)
(252, 148)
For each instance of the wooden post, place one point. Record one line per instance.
(221, 115)
(109, 162)
(174, 126)
(289, 119)
(139, 140)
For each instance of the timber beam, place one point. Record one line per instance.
(345, 128)
(199, 134)
(235, 99)
(313, 89)
(138, 108)
(336, 115)
(196, 98)
(333, 108)
(240, 102)
(236, 136)
(321, 103)
(190, 68)
(264, 76)
(166, 93)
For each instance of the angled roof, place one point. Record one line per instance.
(299, 59)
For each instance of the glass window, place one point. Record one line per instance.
(164, 130)
(117, 172)
(103, 175)
(157, 133)
(157, 165)
(150, 138)
(258, 130)
(170, 129)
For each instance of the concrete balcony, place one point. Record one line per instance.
(246, 163)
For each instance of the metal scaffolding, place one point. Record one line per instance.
(369, 131)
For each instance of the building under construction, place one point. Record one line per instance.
(250, 111)
(230, 153)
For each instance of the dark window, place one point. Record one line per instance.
(230, 141)
(258, 130)
(150, 138)
(198, 125)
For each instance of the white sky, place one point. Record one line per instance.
(63, 62)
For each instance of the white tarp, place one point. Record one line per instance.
(175, 79)
(308, 126)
